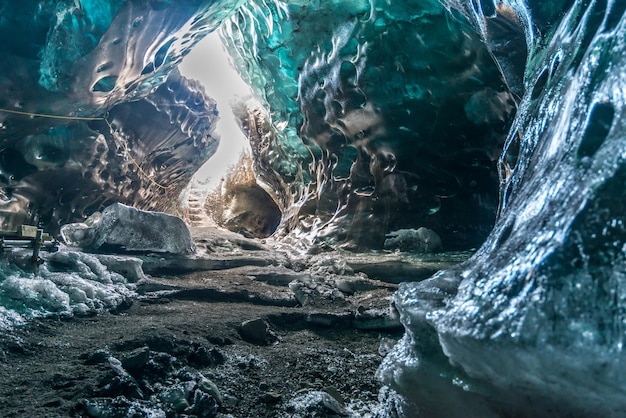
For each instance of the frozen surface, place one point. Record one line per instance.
(533, 324)
(121, 228)
(97, 59)
(68, 283)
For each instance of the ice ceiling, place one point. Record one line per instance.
(493, 124)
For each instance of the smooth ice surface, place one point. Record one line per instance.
(120, 228)
(534, 322)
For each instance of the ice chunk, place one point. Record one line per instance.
(121, 228)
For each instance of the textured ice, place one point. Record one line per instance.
(391, 116)
(100, 58)
(533, 324)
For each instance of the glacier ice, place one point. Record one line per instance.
(392, 116)
(100, 59)
(381, 116)
(68, 283)
(121, 228)
(533, 323)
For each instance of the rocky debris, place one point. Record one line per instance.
(153, 383)
(136, 359)
(315, 291)
(257, 331)
(421, 240)
(121, 228)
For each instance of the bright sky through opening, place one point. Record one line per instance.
(209, 63)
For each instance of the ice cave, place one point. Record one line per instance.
(423, 212)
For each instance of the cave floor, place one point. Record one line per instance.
(189, 324)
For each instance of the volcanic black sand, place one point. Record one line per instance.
(249, 333)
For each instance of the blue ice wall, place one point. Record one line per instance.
(97, 58)
(533, 324)
(392, 114)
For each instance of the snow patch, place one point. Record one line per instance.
(67, 284)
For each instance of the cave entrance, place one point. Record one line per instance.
(224, 191)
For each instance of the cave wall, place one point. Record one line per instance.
(390, 117)
(100, 59)
(533, 324)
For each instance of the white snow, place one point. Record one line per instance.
(74, 284)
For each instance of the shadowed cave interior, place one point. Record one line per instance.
(425, 219)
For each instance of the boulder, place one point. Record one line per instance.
(121, 228)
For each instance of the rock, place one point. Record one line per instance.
(123, 384)
(344, 286)
(207, 386)
(136, 359)
(204, 405)
(205, 357)
(257, 331)
(121, 228)
(271, 397)
(311, 290)
(316, 403)
(177, 397)
(422, 240)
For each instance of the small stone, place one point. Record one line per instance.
(271, 397)
(317, 403)
(136, 359)
(344, 286)
(177, 398)
(211, 388)
(257, 331)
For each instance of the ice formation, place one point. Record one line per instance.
(390, 117)
(533, 324)
(108, 60)
(380, 116)
(69, 283)
(121, 228)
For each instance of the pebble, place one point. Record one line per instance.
(257, 331)
(136, 359)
